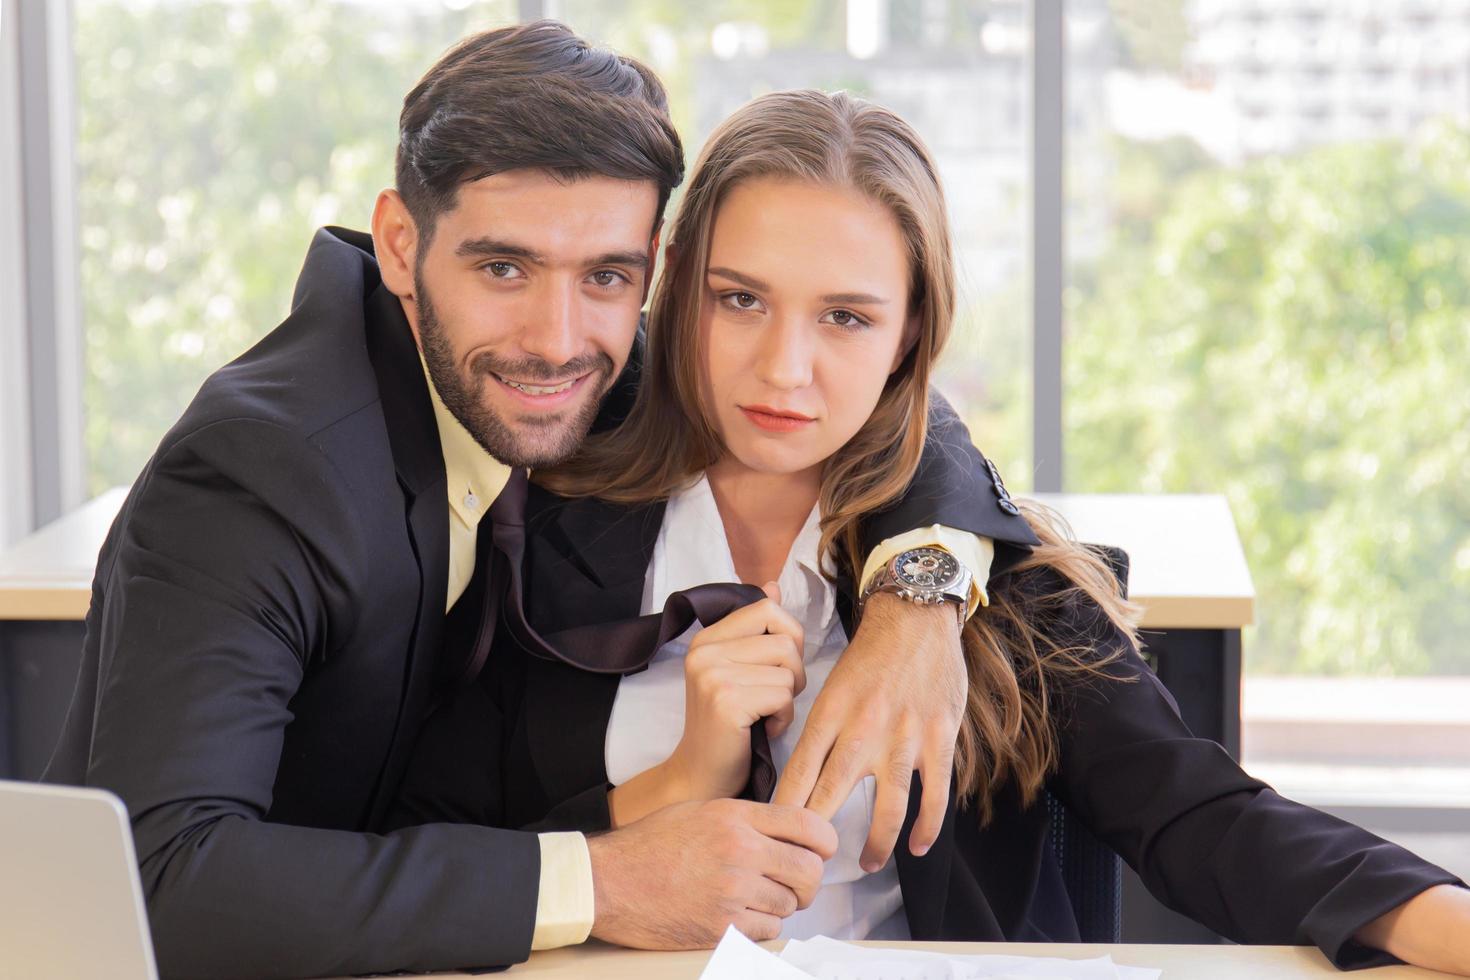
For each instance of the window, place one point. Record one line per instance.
(957, 71)
(1279, 314)
(213, 138)
(215, 135)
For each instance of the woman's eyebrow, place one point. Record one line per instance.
(856, 299)
(754, 283)
(740, 277)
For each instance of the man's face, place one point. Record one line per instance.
(527, 303)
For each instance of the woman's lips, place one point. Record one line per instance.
(773, 421)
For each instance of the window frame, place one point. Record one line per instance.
(40, 301)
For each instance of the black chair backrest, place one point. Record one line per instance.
(1092, 871)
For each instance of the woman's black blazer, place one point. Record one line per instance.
(525, 748)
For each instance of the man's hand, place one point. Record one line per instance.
(678, 877)
(892, 705)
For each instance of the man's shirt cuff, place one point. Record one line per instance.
(564, 907)
(974, 551)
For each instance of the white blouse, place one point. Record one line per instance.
(648, 713)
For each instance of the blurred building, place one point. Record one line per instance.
(1276, 76)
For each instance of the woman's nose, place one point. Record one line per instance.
(785, 360)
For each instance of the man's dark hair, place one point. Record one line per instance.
(537, 96)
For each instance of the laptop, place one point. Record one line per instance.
(71, 906)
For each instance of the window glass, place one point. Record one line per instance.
(214, 137)
(957, 70)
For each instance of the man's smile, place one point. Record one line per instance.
(543, 395)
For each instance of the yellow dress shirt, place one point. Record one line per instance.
(564, 900)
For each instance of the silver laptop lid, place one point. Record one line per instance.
(70, 902)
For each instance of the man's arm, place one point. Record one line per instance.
(957, 487)
(894, 703)
(218, 590)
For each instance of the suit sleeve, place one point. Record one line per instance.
(231, 573)
(956, 487)
(1212, 842)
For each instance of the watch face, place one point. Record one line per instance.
(927, 569)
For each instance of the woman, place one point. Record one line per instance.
(807, 294)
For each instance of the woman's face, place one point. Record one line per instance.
(803, 318)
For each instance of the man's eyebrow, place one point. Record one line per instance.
(488, 247)
(740, 277)
(631, 258)
(492, 246)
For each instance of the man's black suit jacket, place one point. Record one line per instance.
(527, 745)
(266, 633)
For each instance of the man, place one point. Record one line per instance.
(278, 603)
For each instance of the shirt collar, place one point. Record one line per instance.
(695, 551)
(475, 477)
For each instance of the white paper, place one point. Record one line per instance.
(828, 959)
(737, 958)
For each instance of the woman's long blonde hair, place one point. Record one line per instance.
(668, 439)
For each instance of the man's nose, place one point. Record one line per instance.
(785, 359)
(551, 326)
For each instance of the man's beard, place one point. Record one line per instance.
(533, 440)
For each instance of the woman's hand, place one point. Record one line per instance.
(1431, 930)
(744, 668)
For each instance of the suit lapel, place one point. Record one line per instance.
(419, 464)
(586, 561)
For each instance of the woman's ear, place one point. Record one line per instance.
(910, 338)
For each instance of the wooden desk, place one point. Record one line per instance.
(1177, 962)
(1187, 567)
(1187, 571)
(48, 576)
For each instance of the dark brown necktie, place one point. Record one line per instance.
(620, 647)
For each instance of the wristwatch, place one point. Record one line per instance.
(926, 576)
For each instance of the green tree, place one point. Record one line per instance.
(214, 137)
(1295, 333)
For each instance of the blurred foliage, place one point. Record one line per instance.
(985, 369)
(214, 137)
(1292, 333)
(1295, 333)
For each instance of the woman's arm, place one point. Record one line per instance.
(1212, 842)
(1431, 930)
